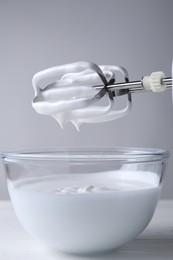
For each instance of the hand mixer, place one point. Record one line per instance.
(70, 92)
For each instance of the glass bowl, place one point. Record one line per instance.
(85, 201)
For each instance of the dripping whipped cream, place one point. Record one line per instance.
(67, 93)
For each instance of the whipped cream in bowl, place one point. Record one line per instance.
(85, 201)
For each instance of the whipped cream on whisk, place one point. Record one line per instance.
(69, 93)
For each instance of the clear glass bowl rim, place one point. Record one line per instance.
(117, 155)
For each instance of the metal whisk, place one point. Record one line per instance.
(71, 92)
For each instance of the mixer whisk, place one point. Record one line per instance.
(71, 92)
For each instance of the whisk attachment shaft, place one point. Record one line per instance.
(135, 86)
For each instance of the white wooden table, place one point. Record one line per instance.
(156, 242)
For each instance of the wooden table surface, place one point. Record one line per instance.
(156, 242)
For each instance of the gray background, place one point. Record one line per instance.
(39, 34)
